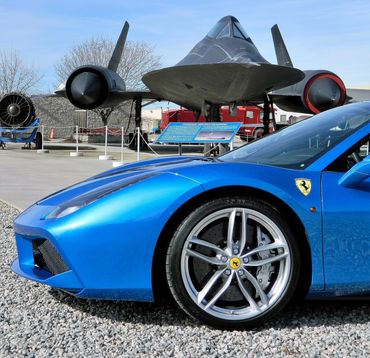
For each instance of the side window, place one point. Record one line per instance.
(249, 114)
(353, 156)
(363, 150)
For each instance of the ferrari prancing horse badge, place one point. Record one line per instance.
(304, 185)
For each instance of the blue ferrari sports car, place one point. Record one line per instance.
(233, 239)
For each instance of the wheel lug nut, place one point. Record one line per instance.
(228, 272)
(224, 258)
(240, 272)
(235, 251)
(245, 260)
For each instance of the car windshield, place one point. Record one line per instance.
(301, 144)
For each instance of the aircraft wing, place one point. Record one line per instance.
(193, 85)
(358, 95)
(118, 95)
(221, 83)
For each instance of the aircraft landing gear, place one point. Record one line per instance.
(138, 102)
(213, 115)
(268, 114)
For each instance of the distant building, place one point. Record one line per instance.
(151, 119)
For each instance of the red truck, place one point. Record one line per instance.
(250, 116)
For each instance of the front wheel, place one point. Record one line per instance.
(258, 133)
(38, 140)
(233, 263)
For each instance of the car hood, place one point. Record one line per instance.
(123, 176)
(206, 172)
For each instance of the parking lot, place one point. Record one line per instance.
(26, 176)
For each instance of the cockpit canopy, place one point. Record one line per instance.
(227, 42)
(228, 26)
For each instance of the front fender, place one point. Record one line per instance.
(281, 183)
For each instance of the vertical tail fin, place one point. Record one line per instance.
(282, 54)
(117, 53)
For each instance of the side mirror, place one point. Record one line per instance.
(357, 174)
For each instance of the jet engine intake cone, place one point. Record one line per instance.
(16, 110)
(87, 89)
(324, 92)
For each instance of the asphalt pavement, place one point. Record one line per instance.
(26, 176)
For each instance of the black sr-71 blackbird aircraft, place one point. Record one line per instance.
(224, 68)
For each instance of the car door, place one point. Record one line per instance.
(346, 226)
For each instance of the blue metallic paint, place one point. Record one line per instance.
(122, 232)
(114, 257)
(356, 175)
(109, 244)
(346, 223)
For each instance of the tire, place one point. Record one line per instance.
(38, 140)
(258, 133)
(214, 266)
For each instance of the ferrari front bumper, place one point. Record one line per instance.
(104, 250)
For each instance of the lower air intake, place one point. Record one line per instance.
(46, 257)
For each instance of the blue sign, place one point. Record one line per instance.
(205, 132)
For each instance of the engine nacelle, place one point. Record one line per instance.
(319, 91)
(90, 87)
(16, 110)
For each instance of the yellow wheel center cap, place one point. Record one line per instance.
(235, 263)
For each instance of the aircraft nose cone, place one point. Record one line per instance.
(324, 93)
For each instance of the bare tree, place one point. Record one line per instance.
(95, 51)
(138, 58)
(15, 75)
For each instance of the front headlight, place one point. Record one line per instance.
(61, 211)
(91, 196)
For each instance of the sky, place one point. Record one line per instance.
(319, 34)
